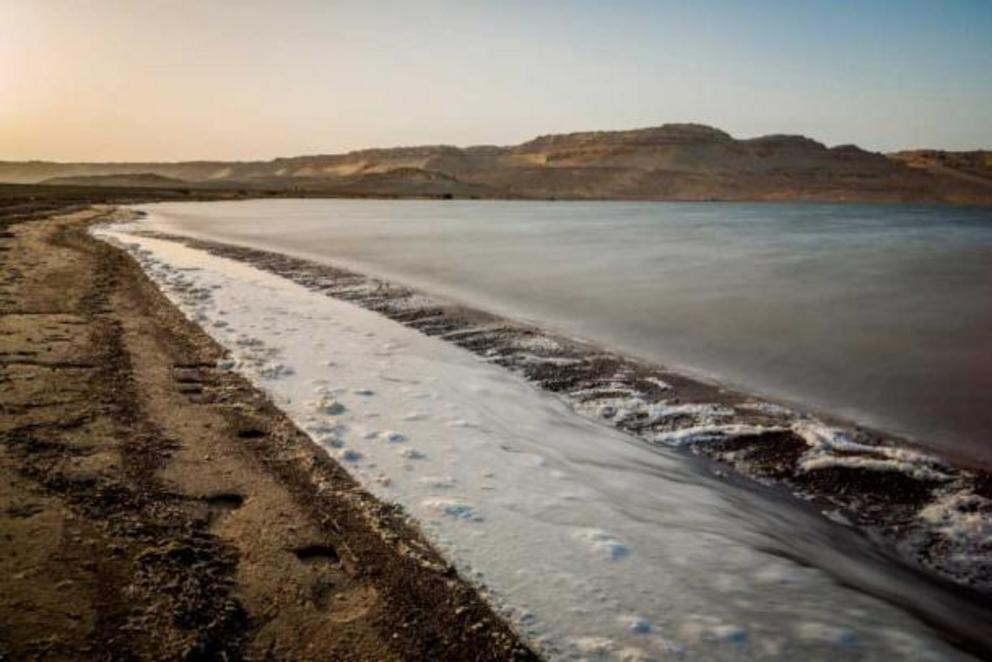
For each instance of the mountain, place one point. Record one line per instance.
(974, 166)
(669, 162)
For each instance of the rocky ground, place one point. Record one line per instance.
(155, 507)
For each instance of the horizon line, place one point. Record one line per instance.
(498, 146)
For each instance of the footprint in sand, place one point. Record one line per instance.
(330, 441)
(453, 508)
(329, 406)
(399, 380)
(412, 454)
(337, 429)
(635, 624)
(438, 482)
(350, 455)
(602, 544)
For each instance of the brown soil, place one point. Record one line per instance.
(155, 507)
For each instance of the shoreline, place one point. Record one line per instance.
(111, 193)
(278, 330)
(156, 506)
(812, 404)
(921, 504)
(198, 382)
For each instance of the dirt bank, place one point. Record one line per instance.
(154, 507)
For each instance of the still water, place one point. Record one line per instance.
(881, 314)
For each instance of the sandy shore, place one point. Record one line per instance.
(154, 507)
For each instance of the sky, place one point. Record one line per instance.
(116, 80)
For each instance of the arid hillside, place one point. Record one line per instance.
(670, 162)
(974, 166)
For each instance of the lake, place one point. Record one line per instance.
(880, 314)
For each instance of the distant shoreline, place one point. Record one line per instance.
(672, 162)
(207, 194)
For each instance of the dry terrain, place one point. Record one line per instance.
(155, 507)
(669, 162)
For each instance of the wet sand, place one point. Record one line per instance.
(155, 507)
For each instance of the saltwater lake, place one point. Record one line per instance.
(881, 314)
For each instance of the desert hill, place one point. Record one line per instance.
(975, 166)
(669, 162)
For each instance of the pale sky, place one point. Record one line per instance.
(153, 80)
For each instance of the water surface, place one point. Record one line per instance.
(593, 544)
(878, 313)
